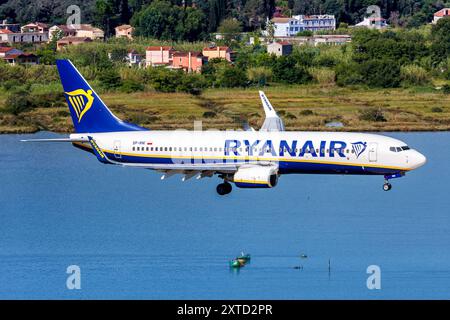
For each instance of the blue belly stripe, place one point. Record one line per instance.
(285, 167)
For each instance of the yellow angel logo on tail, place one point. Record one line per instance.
(81, 101)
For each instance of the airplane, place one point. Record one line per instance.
(247, 158)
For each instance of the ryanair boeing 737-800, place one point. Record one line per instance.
(249, 159)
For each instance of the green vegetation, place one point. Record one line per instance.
(303, 107)
(165, 17)
(383, 80)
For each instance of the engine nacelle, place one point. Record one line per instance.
(256, 177)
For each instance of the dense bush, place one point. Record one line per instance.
(259, 75)
(230, 77)
(129, 86)
(413, 75)
(287, 70)
(164, 80)
(323, 76)
(446, 89)
(21, 99)
(18, 101)
(372, 114)
(110, 79)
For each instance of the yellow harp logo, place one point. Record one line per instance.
(81, 101)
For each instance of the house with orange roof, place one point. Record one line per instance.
(4, 51)
(441, 14)
(124, 31)
(188, 61)
(21, 58)
(69, 41)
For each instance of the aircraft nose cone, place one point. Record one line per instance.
(419, 160)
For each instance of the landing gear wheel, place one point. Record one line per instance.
(224, 188)
(387, 186)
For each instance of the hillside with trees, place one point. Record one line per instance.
(195, 19)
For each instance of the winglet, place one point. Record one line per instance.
(97, 151)
(273, 122)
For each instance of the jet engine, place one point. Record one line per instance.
(256, 177)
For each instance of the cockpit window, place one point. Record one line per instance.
(399, 149)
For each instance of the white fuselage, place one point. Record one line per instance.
(293, 152)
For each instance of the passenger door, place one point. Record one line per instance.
(117, 149)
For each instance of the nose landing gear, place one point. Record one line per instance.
(224, 188)
(387, 186)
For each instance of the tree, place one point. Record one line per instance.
(193, 25)
(231, 77)
(110, 79)
(270, 29)
(440, 35)
(230, 28)
(157, 20)
(286, 70)
(216, 14)
(162, 20)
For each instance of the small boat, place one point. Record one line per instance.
(235, 263)
(303, 256)
(244, 257)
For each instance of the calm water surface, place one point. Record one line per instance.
(135, 236)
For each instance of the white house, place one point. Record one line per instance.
(441, 14)
(133, 58)
(7, 36)
(289, 27)
(373, 23)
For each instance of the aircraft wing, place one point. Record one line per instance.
(273, 122)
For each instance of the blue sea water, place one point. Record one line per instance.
(135, 236)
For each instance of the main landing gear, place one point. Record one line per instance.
(387, 186)
(224, 188)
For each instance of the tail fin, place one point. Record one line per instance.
(89, 112)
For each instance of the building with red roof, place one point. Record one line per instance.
(188, 61)
(441, 14)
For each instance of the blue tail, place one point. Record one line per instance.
(89, 112)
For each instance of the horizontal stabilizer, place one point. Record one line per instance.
(54, 140)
